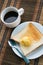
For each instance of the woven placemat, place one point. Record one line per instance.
(33, 12)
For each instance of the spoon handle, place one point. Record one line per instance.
(25, 59)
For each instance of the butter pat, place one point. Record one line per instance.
(26, 41)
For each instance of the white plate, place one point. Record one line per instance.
(38, 52)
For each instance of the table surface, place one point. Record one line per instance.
(33, 12)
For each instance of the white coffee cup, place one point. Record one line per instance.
(17, 21)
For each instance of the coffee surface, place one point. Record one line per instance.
(10, 16)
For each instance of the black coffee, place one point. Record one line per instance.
(10, 16)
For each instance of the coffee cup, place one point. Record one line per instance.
(11, 16)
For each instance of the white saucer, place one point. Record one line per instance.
(38, 52)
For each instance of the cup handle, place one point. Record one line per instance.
(21, 11)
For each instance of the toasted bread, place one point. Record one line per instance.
(29, 38)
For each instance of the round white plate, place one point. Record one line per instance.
(38, 52)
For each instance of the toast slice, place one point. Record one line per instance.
(29, 38)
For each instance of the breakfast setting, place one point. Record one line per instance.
(21, 32)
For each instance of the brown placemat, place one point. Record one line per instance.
(33, 12)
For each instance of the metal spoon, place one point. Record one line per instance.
(14, 44)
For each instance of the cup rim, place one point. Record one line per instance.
(13, 21)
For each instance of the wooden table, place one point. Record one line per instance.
(33, 12)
